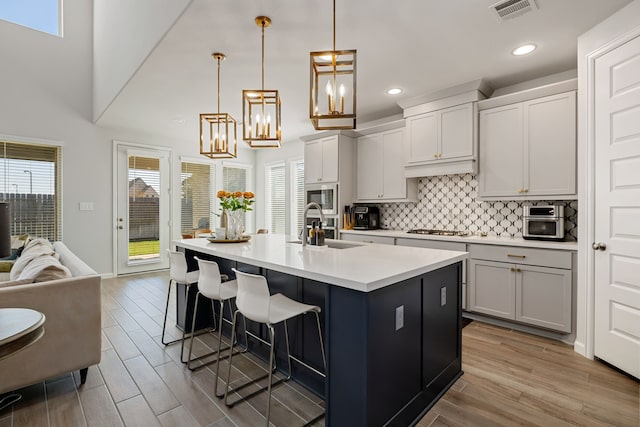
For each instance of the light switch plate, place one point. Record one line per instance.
(86, 206)
(399, 317)
(443, 296)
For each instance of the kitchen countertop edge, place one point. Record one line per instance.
(488, 240)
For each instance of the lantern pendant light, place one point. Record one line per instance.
(218, 130)
(261, 109)
(333, 73)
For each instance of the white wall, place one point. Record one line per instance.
(125, 33)
(619, 26)
(46, 94)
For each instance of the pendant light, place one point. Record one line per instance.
(261, 109)
(333, 73)
(218, 130)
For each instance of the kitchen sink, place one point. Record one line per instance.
(335, 244)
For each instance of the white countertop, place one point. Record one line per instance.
(364, 267)
(487, 240)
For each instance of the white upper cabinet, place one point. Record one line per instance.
(442, 142)
(380, 168)
(528, 149)
(321, 160)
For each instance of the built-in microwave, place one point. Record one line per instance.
(326, 195)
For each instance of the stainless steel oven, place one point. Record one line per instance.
(543, 222)
(326, 195)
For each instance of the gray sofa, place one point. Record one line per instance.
(72, 306)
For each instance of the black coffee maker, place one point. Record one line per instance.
(366, 217)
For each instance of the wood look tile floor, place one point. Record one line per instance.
(510, 379)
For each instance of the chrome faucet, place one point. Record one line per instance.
(303, 235)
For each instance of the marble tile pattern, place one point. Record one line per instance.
(450, 202)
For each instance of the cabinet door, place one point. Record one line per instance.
(369, 159)
(456, 132)
(329, 159)
(394, 183)
(550, 145)
(492, 288)
(313, 161)
(543, 297)
(423, 137)
(501, 152)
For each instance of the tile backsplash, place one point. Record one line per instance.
(449, 202)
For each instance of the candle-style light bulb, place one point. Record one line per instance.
(269, 126)
(215, 137)
(258, 125)
(342, 91)
(329, 96)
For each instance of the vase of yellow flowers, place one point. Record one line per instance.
(234, 205)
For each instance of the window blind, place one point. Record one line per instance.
(235, 179)
(297, 196)
(30, 182)
(144, 207)
(276, 206)
(197, 197)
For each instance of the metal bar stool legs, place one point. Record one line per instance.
(184, 320)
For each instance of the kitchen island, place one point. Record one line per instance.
(391, 319)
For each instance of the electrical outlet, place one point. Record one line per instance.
(399, 317)
(443, 296)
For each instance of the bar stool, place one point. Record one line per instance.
(178, 274)
(255, 303)
(212, 286)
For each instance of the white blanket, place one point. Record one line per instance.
(40, 262)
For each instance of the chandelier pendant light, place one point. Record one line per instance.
(333, 73)
(261, 109)
(218, 130)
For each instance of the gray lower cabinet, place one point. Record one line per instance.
(538, 295)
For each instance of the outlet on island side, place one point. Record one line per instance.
(443, 296)
(399, 317)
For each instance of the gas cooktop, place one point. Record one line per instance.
(438, 232)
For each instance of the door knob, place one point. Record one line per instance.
(120, 227)
(598, 246)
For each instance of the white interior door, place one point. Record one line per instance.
(143, 201)
(617, 215)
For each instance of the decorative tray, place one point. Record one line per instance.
(240, 240)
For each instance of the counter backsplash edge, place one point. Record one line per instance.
(450, 202)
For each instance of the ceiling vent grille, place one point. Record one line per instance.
(506, 9)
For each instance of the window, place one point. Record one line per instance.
(197, 196)
(237, 178)
(41, 15)
(29, 181)
(297, 196)
(275, 198)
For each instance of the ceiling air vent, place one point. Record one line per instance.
(505, 9)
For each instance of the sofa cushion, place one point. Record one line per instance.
(70, 260)
(5, 266)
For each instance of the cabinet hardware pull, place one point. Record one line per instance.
(319, 179)
(526, 190)
(516, 256)
(518, 270)
(520, 190)
(435, 155)
(513, 269)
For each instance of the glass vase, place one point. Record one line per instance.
(235, 225)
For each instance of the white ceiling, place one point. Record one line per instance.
(422, 46)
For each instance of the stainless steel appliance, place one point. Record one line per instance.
(329, 225)
(326, 195)
(438, 232)
(366, 218)
(543, 222)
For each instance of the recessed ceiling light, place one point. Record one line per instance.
(524, 49)
(394, 91)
